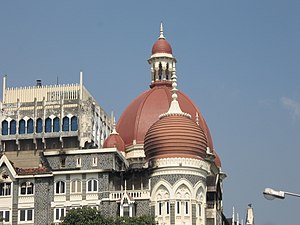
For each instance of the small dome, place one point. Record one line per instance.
(114, 140)
(175, 136)
(218, 162)
(161, 46)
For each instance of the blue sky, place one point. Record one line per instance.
(238, 60)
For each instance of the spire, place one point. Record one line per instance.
(174, 107)
(161, 36)
(114, 126)
(232, 215)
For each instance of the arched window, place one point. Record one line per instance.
(39, 125)
(56, 124)
(13, 127)
(74, 123)
(26, 188)
(76, 186)
(48, 125)
(29, 126)
(65, 126)
(92, 185)
(154, 73)
(60, 187)
(160, 71)
(22, 126)
(4, 127)
(167, 72)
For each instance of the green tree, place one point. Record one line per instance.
(85, 215)
(90, 216)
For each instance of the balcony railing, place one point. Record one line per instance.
(135, 194)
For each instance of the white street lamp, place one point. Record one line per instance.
(271, 194)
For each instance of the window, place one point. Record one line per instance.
(159, 208)
(78, 162)
(26, 214)
(4, 215)
(186, 206)
(56, 124)
(167, 72)
(26, 188)
(76, 186)
(13, 128)
(160, 71)
(48, 125)
(4, 127)
(199, 210)
(74, 123)
(22, 126)
(5, 189)
(178, 207)
(63, 162)
(39, 125)
(92, 185)
(65, 126)
(60, 187)
(95, 161)
(59, 214)
(29, 126)
(167, 208)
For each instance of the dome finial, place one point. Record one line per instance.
(114, 126)
(161, 36)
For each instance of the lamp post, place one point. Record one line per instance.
(271, 194)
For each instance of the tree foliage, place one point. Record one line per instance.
(91, 216)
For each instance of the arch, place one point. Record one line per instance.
(182, 192)
(92, 185)
(30, 126)
(66, 124)
(56, 124)
(160, 72)
(12, 127)
(75, 186)
(4, 127)
(167, 72)
(160, 185)
(74, 123)
(48, 125)
(60, 187)
(39, 125)
(22, 126)
(199, 187)
(180, 183)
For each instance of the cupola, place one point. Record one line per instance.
(161, 60)
(114, 140)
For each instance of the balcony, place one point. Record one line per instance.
(135, 194)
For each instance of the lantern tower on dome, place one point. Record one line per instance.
(162, 61)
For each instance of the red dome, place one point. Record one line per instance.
(161, 46)
(114, 140)
(175, 136)
(144, 111)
